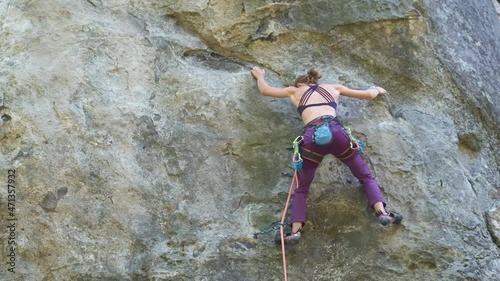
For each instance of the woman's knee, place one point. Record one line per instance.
(302, 189)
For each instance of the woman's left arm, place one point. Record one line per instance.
(369, 93)
(267, 90)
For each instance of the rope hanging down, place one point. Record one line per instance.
(297, 165)
(280, 224)
(295, 181)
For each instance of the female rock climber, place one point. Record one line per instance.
(317, 105)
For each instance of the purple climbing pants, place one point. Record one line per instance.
(356, 164)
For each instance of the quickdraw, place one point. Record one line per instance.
(355, 143)
(274, 226)
(297, 158)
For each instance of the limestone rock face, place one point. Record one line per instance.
(138, 146)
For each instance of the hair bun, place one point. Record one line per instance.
(311, 77)
(313, 73)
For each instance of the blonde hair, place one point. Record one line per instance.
(311, 77)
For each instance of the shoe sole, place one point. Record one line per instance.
(291, 241)
(386, 221)
(398, 219)
(287, 242)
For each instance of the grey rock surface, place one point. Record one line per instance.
(142, 149)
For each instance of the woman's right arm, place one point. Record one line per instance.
(369, 93)
(267, 90)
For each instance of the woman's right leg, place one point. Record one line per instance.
(360, 170)
(357, 165)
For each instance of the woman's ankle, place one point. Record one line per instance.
(296, 226)
(379, 208)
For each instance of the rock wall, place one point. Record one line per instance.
(135, 144)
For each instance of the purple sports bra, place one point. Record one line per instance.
(307, 94)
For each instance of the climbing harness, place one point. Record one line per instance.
(311, 155)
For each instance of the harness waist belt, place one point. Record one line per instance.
(321, 120)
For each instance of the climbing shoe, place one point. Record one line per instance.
(290, 238)
(388, 218)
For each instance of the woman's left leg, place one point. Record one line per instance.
(360, 170)
(299, 202)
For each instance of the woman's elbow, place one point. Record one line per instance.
(265, 93)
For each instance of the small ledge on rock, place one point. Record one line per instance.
(493, 224)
